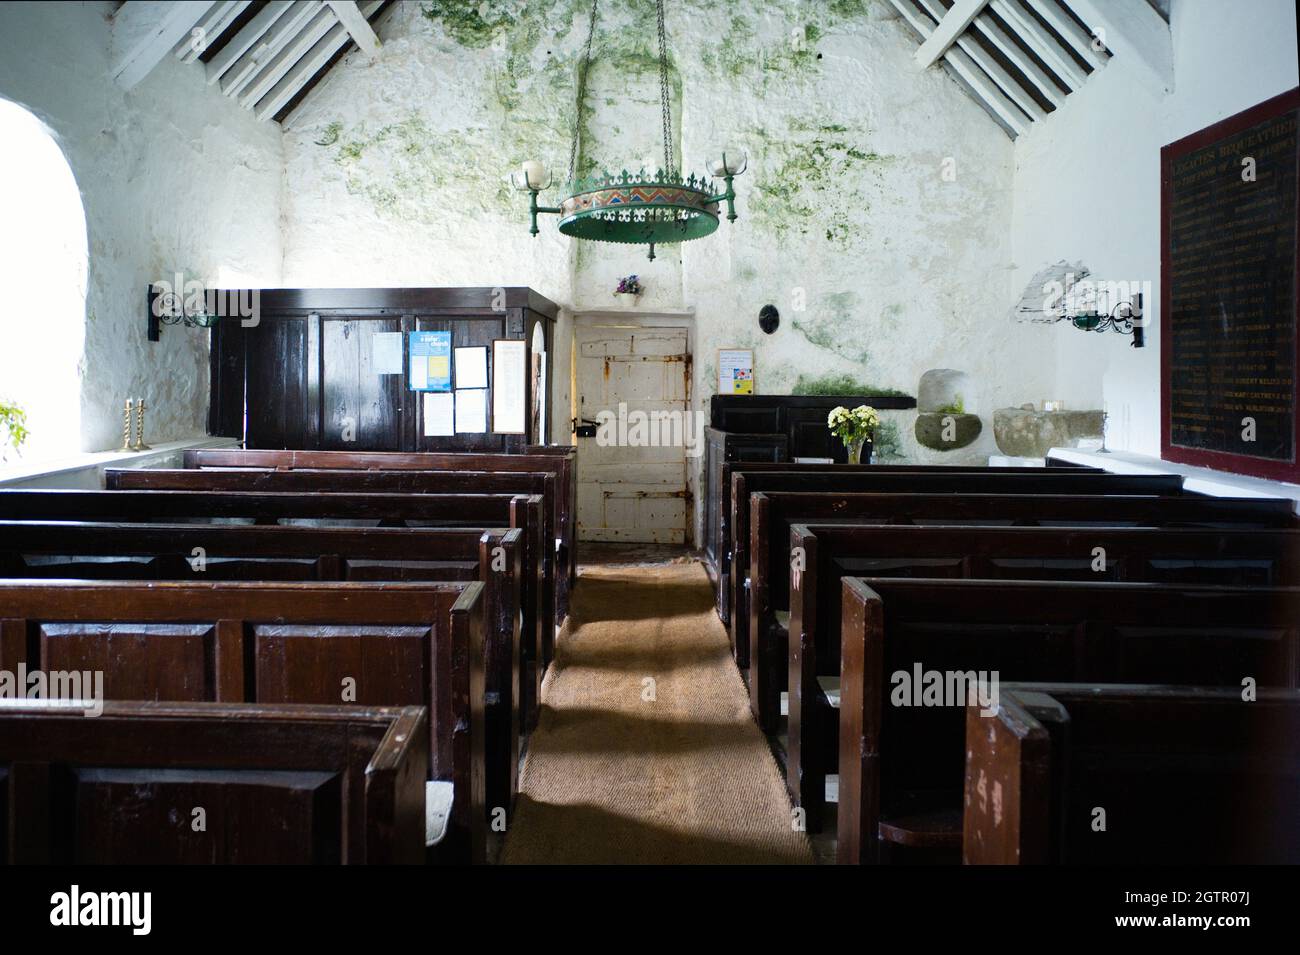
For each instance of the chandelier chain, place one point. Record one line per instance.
(583, 70)
(665, 98)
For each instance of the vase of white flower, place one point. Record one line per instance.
(856, 428)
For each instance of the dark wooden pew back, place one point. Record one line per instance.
(389, 644)
(983, 481)
(277, 784)
(195, 552)
(772, 513)
(831, 552)
(718, 533)
(561, 459)
(352, 481)
(1183, 775)
(900, 766)
(477, 511)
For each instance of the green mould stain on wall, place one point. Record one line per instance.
(405, 169)
(815, 180)
(834, 322)
(840, 385)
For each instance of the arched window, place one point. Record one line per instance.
(42, 289)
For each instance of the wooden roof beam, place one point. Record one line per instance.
(302, 72)
(1025, 63)
(268, 45)
(1045, 46)
(967, 74)
(291, 53)
(951, 25)
(242, 41)
(212, 26)
(1008, 84)
(144, 33)
(354, 21)
(1079, 39)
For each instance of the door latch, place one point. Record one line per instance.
(585, 430)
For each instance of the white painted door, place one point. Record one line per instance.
(634, 487)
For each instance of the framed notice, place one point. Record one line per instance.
(735, 371)
(509, 386)
(471, 411)
(439, 414)
(471, 367)
(1229, 350)
(430, 361)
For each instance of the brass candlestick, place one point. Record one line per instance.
(126, 427)
(139, 438)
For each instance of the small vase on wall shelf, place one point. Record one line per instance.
(629, 290)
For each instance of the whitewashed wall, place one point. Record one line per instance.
(173, 177)
(1087, 187)
(881, 268)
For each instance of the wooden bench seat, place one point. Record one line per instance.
(718, 533)
(165, 552)
(1242, 557)
(386, 644)
(1019, 481)
(276, 784)
(477, 511)
(559, 459)
(355, 482)
(1184, 776)
(893, 755)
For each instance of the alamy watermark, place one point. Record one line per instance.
(651, 429)
(75, 689)
(922, 687)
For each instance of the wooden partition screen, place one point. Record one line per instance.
(302, 373)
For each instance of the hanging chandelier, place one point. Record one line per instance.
(646, 207)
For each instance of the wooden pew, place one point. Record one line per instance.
(1184, 775)
(981, 481)
(401, 644)
(480, 511)
(830, 552)
(772, 513)
(168, 552)
(901, 767)
(277, 784)
(352, 481)
(719, 527)
(559, 459)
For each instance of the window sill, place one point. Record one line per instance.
(85, 471)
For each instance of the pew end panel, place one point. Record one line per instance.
(860, 710)
(277, 784)
(1006, 816)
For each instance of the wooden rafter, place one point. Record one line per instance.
(354, 21)
(144, 33)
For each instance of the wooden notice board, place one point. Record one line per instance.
(1228, 300)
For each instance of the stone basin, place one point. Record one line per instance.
(1031, 434)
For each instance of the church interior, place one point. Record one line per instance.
(667, 432)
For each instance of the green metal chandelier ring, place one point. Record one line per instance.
(646, 207)
(649, 212)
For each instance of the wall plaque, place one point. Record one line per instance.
(1228, 338)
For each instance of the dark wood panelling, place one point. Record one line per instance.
(302, 375)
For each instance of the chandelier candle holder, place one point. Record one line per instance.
(646, 207)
